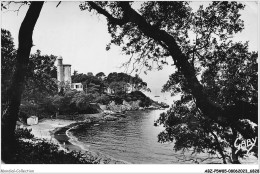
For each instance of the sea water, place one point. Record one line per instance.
(133, 139)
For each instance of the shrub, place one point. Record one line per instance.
(23, 116)
(29, 108)
(42, 109)
(103, 99)
(44, 152)
(75, 102)
(23, 133)
(118, 100)
(40, 151)
(146, 102)
(138, 95)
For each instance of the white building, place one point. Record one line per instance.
(64, 76)
(77, 86)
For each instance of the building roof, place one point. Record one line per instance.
(76, 83)
(33, 117)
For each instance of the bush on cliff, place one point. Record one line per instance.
(133, 96)
(39, 151)
(138, 95)
(103, 99)
(75, 102)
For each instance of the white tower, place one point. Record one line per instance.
(60, 71)
(67, 74)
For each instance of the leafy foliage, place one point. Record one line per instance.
(40, 83)
(40, 80)
(74, 102)
(229, 79)
(8, 53)
(91, 84)
(126, 81)
(118, 82)
(23, 133)
(138, 95)
(100, 75)
(103, 99)
(118, 87)
(39, 151)
(233, 75)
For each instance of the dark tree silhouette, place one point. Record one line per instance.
(150, 24)
(8, 53)
(15, 91)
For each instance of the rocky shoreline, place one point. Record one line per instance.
(131, 106)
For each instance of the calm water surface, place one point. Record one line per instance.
(132, 139)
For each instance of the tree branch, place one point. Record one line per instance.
(108, 15)
(58, 4)
(208, 107)
(218, 146)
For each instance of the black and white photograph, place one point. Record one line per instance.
(164, 86)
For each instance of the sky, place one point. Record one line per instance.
(80, 38)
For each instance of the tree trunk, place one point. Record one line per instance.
(10, 116)
(234, 156)
(219, 149)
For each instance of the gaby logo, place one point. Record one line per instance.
(245, 145)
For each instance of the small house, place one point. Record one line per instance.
(77, 86)
(32, 120)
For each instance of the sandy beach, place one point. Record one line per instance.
(44, 129)
(56, 131)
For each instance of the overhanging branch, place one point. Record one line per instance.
(105, 13)
(209, 108)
